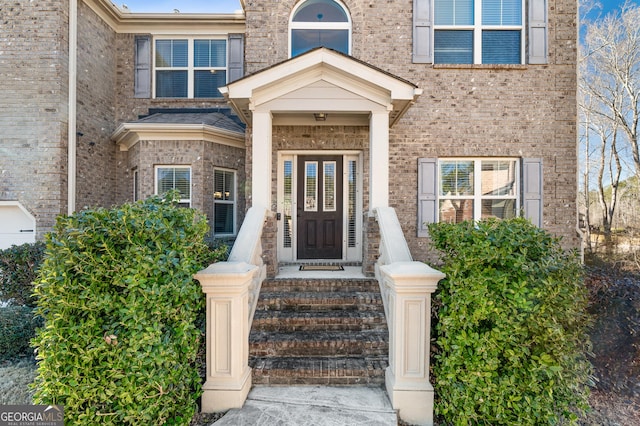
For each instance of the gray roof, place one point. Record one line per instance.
(214, 119)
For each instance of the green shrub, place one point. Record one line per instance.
(17, 327)
(116, 291)
(18, 269)
(511, 332)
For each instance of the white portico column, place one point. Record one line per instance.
(261, 159)
(378, 160)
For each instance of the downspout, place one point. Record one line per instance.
(72, 125)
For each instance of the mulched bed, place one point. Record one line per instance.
(614, 291)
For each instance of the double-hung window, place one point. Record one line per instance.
(474, 189)
(190, 67)
(224, 202)
(175, 178)
(478, 31)
(457, 189)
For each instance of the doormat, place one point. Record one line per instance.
(321, 268)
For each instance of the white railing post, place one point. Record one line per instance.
(231, 289)
(228, 381)
(409, 287)
(406, 287)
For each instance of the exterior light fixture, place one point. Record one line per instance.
(320, 116)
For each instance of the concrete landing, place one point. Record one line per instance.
(313, 406)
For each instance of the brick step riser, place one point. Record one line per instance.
(319, 286)
(321, 301)
(274, 378)
(318, 371)
(322, 348)
(312, 307)
(290, 326)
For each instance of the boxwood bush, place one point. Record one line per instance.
(510, 339)
(18, 269)
(120, 305)
(17, 327)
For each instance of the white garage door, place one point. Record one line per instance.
(17, 225)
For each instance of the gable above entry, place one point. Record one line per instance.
(321, 81)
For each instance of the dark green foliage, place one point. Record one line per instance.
(18, 269)
(511, 332)
(120, 305)
(17, 327)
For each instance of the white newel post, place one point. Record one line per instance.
(226, 286)
(409, 286)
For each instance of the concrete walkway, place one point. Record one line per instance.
(313, 406)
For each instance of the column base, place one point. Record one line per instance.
(414, 405)
(217, 398)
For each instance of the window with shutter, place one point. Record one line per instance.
(190, 67)
(478, 31)
(458, 189)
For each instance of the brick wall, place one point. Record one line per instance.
(511, 111)
(33, 109)
(96, 153)
(202, 156)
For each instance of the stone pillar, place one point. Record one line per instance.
(408, 287)
(228, 381)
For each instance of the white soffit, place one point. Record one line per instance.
(167, 23)
(129, 134)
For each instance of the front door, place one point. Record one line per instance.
(319, 224)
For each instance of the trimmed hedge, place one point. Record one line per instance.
(17, 327)
(18, 269)
(120, 304)
(511, 326)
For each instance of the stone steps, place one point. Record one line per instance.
(334, 371)
(319, 343)
(351, 320)
(319, 332)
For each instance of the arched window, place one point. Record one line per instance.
(316, 23)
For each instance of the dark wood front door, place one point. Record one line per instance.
(319, 229)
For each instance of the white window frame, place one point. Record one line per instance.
(477, 29)
(320, 25)
(477, 196)
(173, 166)
(136, 184)
(226, 202)
(190, 68)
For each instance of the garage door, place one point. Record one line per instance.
(17, 225)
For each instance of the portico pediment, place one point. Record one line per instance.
(321, 81)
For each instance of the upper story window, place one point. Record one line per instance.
(316, 23)
(478, 32)
(190, 67)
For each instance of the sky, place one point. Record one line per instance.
(230, 6)
(184, 6)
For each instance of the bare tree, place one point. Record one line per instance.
(611, 71)
(609, 87)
